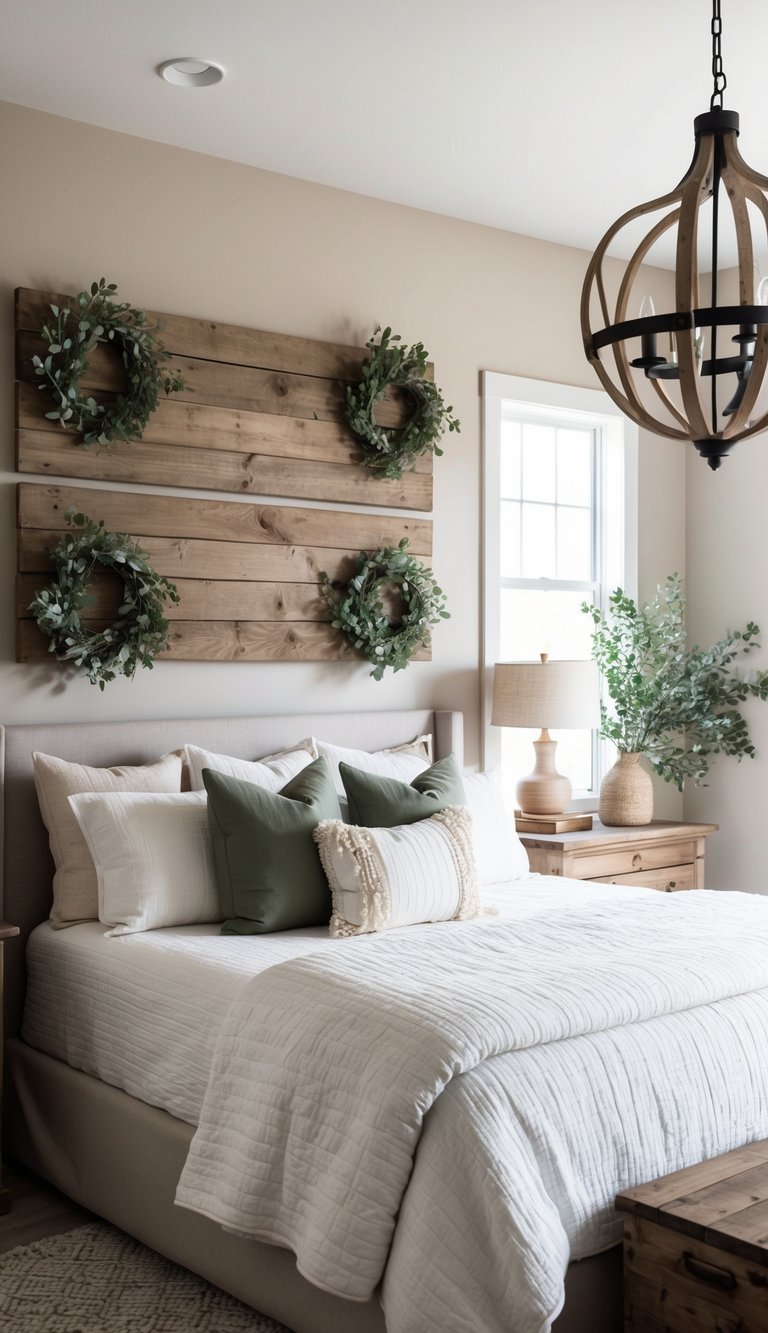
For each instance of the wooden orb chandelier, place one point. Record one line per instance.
(693, 386)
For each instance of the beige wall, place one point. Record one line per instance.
(202, 237)
(728, 586)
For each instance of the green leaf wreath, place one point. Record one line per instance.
(141, 630)
(358, 610)
(389, 449)
(72, 336)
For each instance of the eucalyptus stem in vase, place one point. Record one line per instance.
(673, 705)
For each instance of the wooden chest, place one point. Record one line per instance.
(696, 1248)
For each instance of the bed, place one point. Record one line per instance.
(121, 1156)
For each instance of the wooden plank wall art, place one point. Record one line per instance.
(259, 414)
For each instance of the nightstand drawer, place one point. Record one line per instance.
(630, 860)
(668, 879)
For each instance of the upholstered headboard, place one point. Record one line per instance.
(26, 860)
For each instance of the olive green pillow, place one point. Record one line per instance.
(377, 802)
(268, 872)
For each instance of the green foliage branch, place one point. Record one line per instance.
(359, 612)
(71, 337)
(389, 449)
(678, 706)
(141, 630)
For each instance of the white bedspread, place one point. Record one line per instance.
(560, 1055)
(143, 1011)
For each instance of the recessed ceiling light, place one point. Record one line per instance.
(190, 72)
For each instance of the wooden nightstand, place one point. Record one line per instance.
(663, 855)
(6, 932)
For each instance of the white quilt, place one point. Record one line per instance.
(557, 1057)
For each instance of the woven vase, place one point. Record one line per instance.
(626, 793)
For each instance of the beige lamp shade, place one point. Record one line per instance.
(545, 694)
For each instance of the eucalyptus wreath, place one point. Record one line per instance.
(388, 449)
(360, 614)
(72, 336)
(141, 630)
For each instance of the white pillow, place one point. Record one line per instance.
(404, 762)
(499, 853)
(153, 858)
(382, 878)
(75, 895)
(272, 772)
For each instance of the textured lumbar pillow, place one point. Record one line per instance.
(386, 877)
(272, 772)
(267, 870)
(153, 858)
(75, 891)
(400, 761)
(382, 802)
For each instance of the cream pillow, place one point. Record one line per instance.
(153, 858)
(499, 853)
(401, 761)
(74, 883)
(272, 772)
(382, 878)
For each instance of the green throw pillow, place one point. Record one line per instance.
(268, 872)
(377, 802)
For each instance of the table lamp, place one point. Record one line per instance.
(545, 694)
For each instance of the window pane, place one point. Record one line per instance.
(511, 452)
(509, 538)
(574, 467)
(539, 462)
(574, 543)
(539, 541)
(534, 622)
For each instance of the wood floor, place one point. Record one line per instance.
(37, 1210)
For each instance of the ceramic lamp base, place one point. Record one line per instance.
(544, 791)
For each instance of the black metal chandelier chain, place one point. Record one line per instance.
(718, 73)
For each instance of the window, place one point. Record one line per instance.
(560, 528)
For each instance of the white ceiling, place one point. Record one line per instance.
(540, 116)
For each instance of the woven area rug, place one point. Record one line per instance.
(99, 1280)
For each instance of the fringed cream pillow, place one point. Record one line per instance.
(381, 878)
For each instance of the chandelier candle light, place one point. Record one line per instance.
(545, 694)
(708, 400)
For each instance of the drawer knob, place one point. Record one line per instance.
(637, 861)
(706, 1272)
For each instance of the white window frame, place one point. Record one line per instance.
(552, 404)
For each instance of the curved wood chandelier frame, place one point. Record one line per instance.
(703, 414)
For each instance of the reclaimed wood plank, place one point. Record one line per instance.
(720, 1199)
(44, 506)
(198, 426)
(227, 641)
(216, 383)
(201, 599)
(648, 1198)
(212, 339)
(219, 384)
(181, 557)
(48, 453)
(748, 1225)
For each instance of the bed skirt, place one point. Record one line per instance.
(122, 1158)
